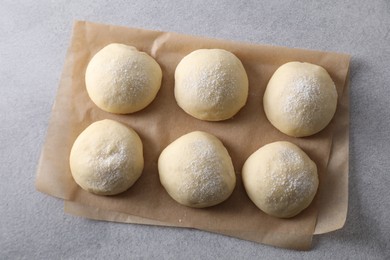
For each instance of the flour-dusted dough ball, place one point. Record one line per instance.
(107, 158)
(196, 170)
(300, 99)
(211, 84)
(120, 79)
(280, 179)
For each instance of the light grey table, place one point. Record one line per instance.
(34, 36)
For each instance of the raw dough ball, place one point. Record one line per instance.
(211, 84)
(106, 158)
(120, 79)
(300, 99)
(280, 179)
(196, 170)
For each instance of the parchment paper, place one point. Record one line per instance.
(163, 121)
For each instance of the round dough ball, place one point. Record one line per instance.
(120, 79)
(280, 179)
(300, 99)
(196, 170)
(107, 158)
(211, 84)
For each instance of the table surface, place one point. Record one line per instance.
(34, 39)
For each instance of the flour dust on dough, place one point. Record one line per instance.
(106, 158)
(300, 99)
(280, 179)
(211, 84)
(196, 170)
(121, 80)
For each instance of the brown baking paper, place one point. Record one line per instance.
(163, 121)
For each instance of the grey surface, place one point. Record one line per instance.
(34, 36)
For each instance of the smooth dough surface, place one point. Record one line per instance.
(300, 99)
(211, 84)
(196, 170)
(280, 179)
(120, 79)
(107, 158)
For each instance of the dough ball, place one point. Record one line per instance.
(120, 79)
(280, 179)
(300, 99)
(196, 170)
(106, 158)
(211, 84)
